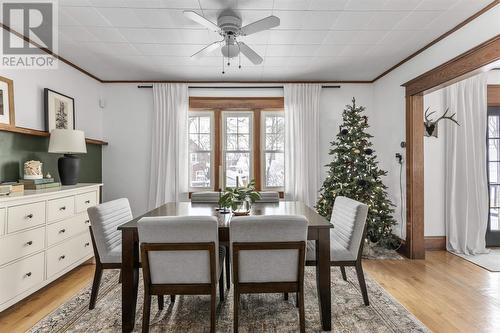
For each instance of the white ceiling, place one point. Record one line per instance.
(317, 39)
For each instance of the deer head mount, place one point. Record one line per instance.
(431, 128)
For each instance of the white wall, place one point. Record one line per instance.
(389, 100)
(127, 122)
(434, 171)
(28, 96)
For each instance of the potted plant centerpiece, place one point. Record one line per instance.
(240, 198)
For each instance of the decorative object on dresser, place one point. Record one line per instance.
(43, 235)
(7, 116)
(59, 111)
(68, 142)
(39, 184)
(33, 170)
(14, 187)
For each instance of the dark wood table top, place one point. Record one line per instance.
(197, 209)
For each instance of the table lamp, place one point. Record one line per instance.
(68, 142)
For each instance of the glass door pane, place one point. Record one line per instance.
(493, 167)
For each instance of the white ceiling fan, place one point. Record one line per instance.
(229, 28)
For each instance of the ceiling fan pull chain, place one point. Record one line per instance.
(239, 55)
(223, 65)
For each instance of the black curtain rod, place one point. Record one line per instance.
(235, 87)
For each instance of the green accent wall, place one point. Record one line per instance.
(16, 148)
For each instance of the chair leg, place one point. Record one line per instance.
(297, 300)
(145, 312)
(120, 277)
(221, 286)
(212, 310)
(302, 316)
(285, 295)
(342, 270)
(362, 283)
(95, 286)
(228, 269)
(161, 302)
(172, 298)
(236, 310)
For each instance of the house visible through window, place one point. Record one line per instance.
(227, 145)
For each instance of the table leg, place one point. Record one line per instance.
(323, 277)
(130, 278)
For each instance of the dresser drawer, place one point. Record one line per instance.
(21, 244)
(58, 209)
(2, 221)
(25, 216)
(21, 276)
(67, 228)
(85, 200)
(63, 255)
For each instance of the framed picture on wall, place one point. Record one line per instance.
(7, 118)
(59, 110)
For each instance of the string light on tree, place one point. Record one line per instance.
(354, 173)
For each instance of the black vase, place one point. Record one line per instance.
(69, 169)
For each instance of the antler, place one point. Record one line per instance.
(427, 120)
(447, 117)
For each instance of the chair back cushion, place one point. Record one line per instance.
(268, 265)
(168, 267)
(105, 220)
(205, 197)
(348, 219)
(269, 196)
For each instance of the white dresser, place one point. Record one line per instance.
(43, 235)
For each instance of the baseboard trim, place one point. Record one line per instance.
(435, 243)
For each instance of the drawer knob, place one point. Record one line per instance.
(62, 231)
(86, 244)
(29, 242)
(62, 208)
(29, 216)
(28, 274)
(62, 257)
(87, 201)
(87, 221)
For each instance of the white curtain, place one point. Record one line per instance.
(169, 144)
(302, 181)
(466, 183)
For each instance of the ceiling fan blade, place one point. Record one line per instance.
(260, 25)
(250, 54)
(206, 50)
(193, 16)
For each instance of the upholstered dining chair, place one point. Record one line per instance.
(180, 255)
(346, 239)
(205, 197)
(107, 240)
(268, 257)
(269, 196)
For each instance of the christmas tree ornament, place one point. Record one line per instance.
(368, 151)
(344, 132)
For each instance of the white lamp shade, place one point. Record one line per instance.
(66, 141)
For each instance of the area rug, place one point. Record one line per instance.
(259, 313)
(489, 261)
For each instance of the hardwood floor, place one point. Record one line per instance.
(447, 293)
(25, 314)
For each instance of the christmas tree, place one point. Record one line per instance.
(354, 173)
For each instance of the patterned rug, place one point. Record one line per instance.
(259, 313)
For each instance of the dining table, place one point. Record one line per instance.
(318, 231)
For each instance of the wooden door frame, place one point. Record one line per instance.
(478, 59)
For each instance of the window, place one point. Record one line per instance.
(237, 151)
(200, 150)
(236, 138)
(493, 144)
(273, 154)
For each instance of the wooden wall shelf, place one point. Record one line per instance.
(34, 132)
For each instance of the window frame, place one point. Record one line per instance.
(264, 114)
(211, 115)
